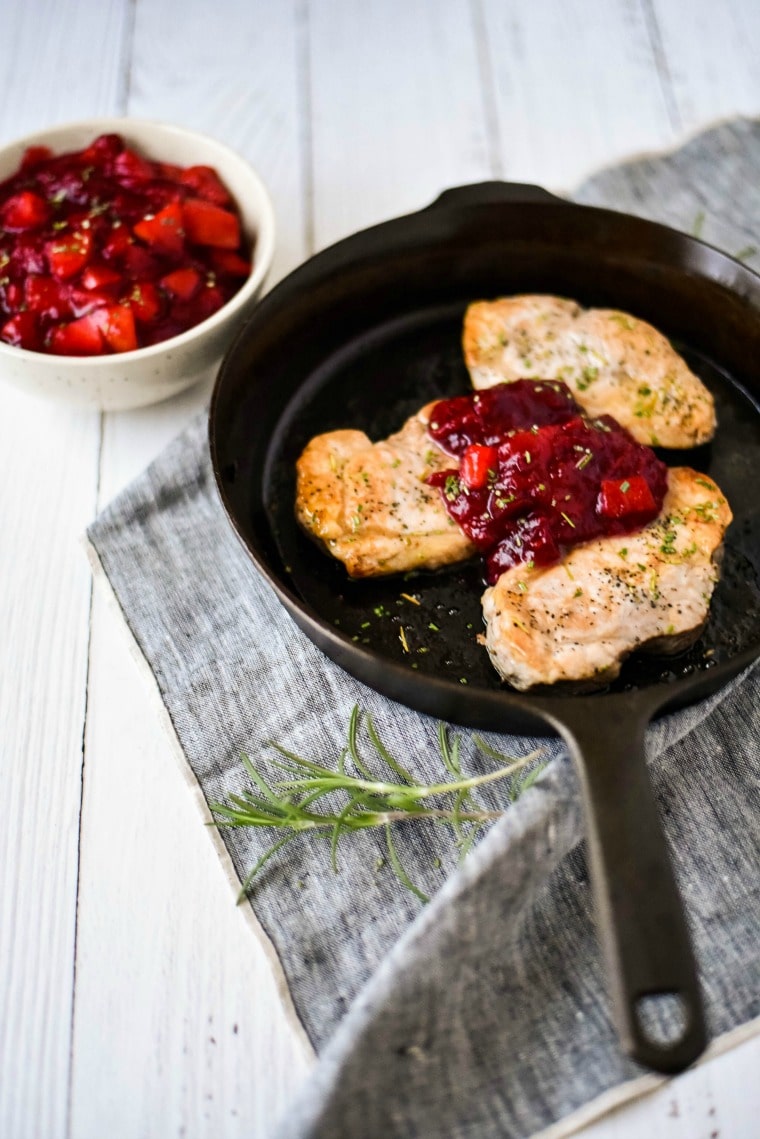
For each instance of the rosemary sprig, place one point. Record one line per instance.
(364, 799)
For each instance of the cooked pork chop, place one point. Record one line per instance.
(369, 504)
(581, 618)
(613, 363)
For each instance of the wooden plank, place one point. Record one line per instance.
(178, 1025)
(59, 67)
(575, 87)
(50, 457)
(720, 1098)
(47, 496)
(166, 966)
(397, 109)
(230, 70)
(711, 54)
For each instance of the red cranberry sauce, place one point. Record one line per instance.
(103, 250)
(536, 477)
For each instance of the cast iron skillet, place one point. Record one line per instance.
(361, 336)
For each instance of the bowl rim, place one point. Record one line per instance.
(265, 237)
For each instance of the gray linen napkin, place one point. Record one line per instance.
(484, 1013)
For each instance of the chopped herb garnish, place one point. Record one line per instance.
(587, 377)
(668, 546)
(451, 487)
(433, 626)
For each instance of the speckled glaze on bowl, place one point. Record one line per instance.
(147, 375)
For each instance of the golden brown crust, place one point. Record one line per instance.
(613, 363)
(581, 618)
(370, 506)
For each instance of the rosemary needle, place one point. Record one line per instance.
(292, 804)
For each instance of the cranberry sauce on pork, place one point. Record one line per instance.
(535, 477)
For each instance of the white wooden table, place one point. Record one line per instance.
(133, 999)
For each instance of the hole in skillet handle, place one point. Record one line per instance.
(663, 1018)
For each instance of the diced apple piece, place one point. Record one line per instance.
(103, 149)
(165, 230)
(22, 331)
(204, 180)
(117, 243)
(45, 296)
(207, 224)
(100, 276)
(133, 166)
(145, 301)
(183, 283)
(25, 210)
(68, 255)
(225, 261)
(80, 337)
(117, 324)
(34, 156)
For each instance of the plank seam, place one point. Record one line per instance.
(306, 130)
(661, 63)
(125, 90)
(70, 1092)
(487, 82)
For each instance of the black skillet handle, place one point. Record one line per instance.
(639, 912)
(492, 193)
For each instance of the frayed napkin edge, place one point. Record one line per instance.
(102, 581)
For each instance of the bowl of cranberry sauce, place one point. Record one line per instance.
(130, 254)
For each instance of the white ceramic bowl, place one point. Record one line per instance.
(132, 379)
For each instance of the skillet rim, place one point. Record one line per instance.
(431, 694)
